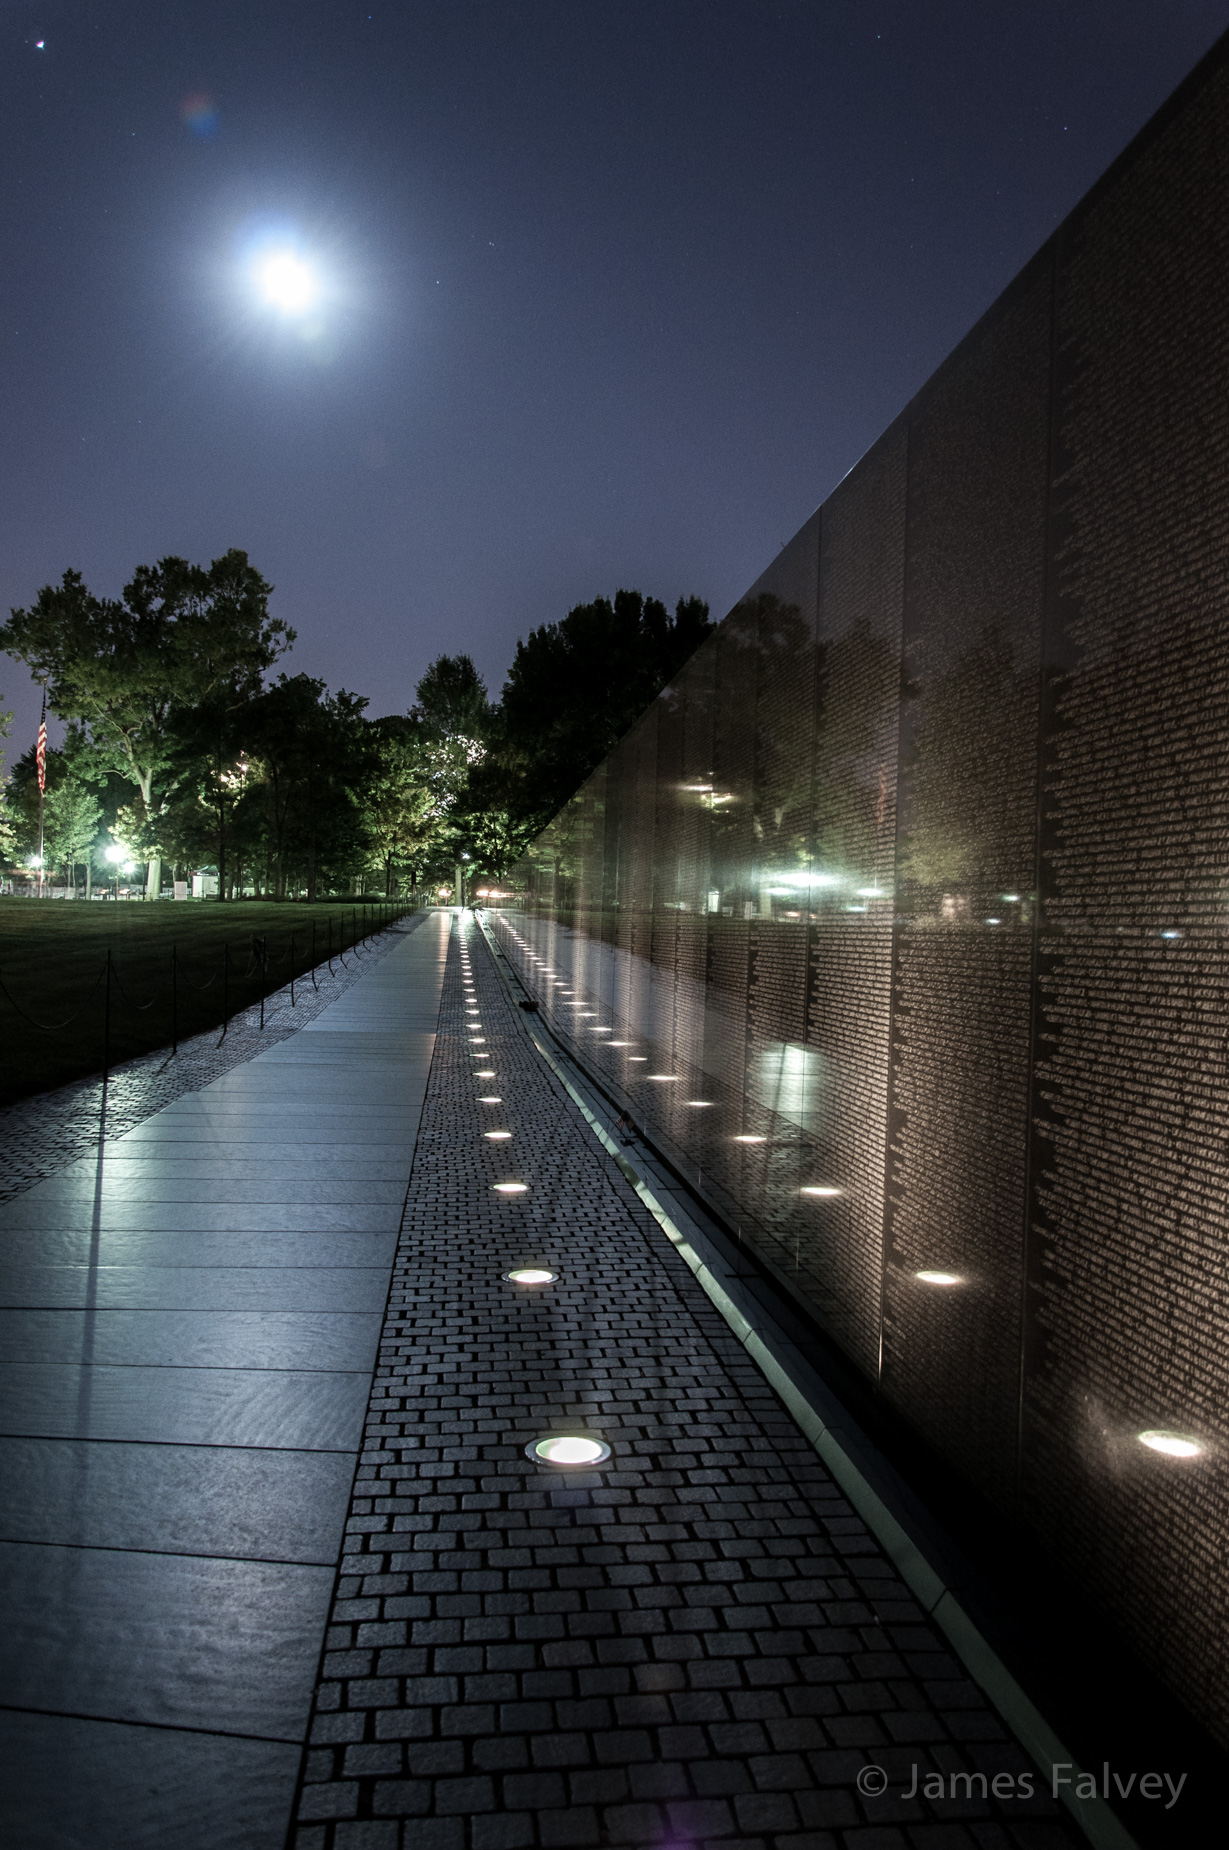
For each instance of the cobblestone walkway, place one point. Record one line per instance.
(698, 1643)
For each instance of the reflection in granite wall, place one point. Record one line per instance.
(900, 918)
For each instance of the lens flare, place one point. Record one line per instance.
(199, 115)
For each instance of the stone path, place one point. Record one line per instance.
(43, 1134)
(698, 1643)
(188, 1331)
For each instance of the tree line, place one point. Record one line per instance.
(189, 745)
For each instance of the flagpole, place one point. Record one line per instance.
(41, 759)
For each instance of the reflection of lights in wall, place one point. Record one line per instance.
(1171, 1444)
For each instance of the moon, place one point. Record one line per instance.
(286, 281)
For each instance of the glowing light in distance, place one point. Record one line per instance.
(115, 854)
(938, 1278)
(620, 1043)
(749, 1137)
(568, 1449)
(1011, 898)
(531, 1275)
(696, 1103)
(511, 1188)
(497, 1136)
(1172, 1444)
(643, 1058)
(487, 1073)
(287, 282)
(664, 1078)
(821, 1189)
(493, 1100)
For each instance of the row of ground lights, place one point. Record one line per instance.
(564, 1450)
(1156, 1439)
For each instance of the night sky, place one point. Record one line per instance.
(609, 294)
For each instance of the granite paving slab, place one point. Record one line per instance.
(188, 1321)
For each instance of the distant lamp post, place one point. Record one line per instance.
(117, 854)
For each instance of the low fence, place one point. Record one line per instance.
(244, 975)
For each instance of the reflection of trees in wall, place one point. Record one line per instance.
(857, 682)
(971, 748)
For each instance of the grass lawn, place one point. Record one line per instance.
(53, 956)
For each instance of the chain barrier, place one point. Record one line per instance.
(379, 917)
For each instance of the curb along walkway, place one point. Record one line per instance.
(187, 1336)
(697, 1644)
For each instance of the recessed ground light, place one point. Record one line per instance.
(822, 1189)
(1172, 1444)
(697, 1102)
(938, 1278)
(487, 1073)
(477, 1040)
(511, 1188)
(531, 1275)
(559, 1448)
(497, 1136)
(643, 1058)
(491, 1100)
(620, 1043)
(600, 1030)
(749, 1137)
(664, 1078)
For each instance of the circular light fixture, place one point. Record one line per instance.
(497, 1136)
(486, 1073)
(938, 1278)
(821, 1189)
(559, 1448)
(510, 1188)
(490, 1099)
(1172, 1444)
(531, 1275)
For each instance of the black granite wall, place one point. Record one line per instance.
(903, 914)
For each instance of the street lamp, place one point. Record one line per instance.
(115, 854)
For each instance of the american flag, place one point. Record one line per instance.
(40, 755)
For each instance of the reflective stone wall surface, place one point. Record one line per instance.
(900, 918)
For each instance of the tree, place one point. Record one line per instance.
(309, 749)
(8, 828)
(116, 668)
(72, 812)
(573, 690)
(72, 815)
(451, 699)
(399, 808)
